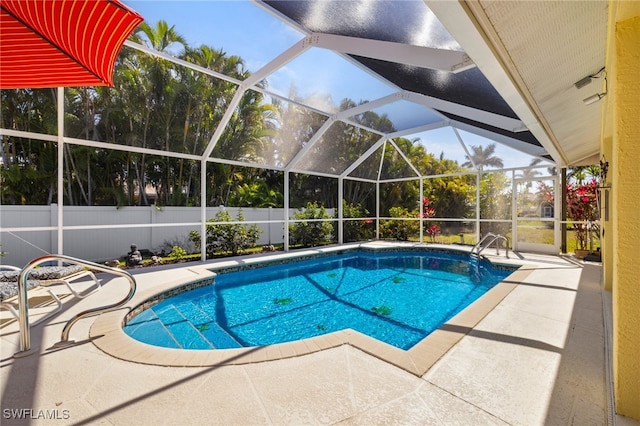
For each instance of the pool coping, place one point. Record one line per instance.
(107, 333)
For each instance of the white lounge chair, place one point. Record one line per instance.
(44, 276)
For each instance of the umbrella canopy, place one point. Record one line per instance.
(54, 43)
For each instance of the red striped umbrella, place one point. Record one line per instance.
(55, 43)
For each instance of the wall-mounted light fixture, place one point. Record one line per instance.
(582, 82)
(593, 98)
(586, 80)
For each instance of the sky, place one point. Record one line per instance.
(230, 25)
(244, 29)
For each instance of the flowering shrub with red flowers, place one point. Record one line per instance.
(427, 210)
(433, 230)
(582, 206)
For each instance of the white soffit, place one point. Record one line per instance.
(554, 44)
(533, 52)
(465, 30)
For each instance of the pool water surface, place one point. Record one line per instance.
(396, 297)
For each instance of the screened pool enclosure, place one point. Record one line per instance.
(369, 116)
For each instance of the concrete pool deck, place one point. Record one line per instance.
(537, 357)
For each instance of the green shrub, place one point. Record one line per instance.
(355, 230)
(399, 229)
(194, 237)
(311, 234)
(228, 238)
(177, 253)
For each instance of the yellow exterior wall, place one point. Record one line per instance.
(607, 213)
(624, 110)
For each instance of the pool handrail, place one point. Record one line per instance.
(477, 249)
(25, 332)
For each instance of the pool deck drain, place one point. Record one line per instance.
(531, 353)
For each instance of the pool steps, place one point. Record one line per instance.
(179, 320)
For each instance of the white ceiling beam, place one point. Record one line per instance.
(373, 148)
(419, 129)
(279, 61)
(181, 62)
(283, 98)
(359, 179)
(244, 164)
(490, 118)
(464, 147)
(419, 56)
(406, 159)
(369, 106)
(360, 126)
(315, 138)
(129, 148)
(314, 173)
(516, 144)
(226, 117)
(403, 179)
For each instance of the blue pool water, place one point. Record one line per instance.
(397, 297)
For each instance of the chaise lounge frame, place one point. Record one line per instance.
(44, 277)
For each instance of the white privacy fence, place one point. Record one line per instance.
(104, 233)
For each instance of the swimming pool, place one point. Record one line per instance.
(396, 297)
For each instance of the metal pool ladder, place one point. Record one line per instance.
(23, 305)
(477, 249)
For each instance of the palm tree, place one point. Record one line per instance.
(203, 95)
(581, 173)
(481, 157)
(160, 37)
(529, 174)
(28, 170)
(162, 93)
